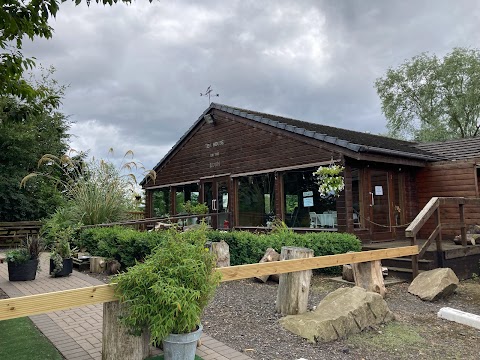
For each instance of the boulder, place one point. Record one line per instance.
(347, 273)
(341, 313)
(434, 284)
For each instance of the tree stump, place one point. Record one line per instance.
(369, 276)
(97, 264)
(117, 343)
(270, 255)
(293, 288)
(222, 251)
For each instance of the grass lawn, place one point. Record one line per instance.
(21, 340)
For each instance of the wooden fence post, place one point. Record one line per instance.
(117, 343)
(463, 229)
(293, 288)
(414, 259)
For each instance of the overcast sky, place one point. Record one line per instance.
(135, 72)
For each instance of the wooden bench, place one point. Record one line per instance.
(13, 233)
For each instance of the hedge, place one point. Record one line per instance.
(128, 245)
(248, 248)
(123, 244)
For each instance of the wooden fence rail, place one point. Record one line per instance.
(60, 300)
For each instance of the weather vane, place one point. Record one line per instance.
(208, 93)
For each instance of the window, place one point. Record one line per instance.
(304, 207)
(256, 200)
(161, 202)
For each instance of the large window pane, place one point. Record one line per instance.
(161, 202)
(304, 207)
(186, 193)
(256, 200)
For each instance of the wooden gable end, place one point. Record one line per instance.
(234, 145)
(449, 179)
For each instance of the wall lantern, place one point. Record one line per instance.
(209, 119)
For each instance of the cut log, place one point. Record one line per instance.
(293, 288)
(222, 251)
(369, 276)
(117, 343)
(270, 255)
(97, 264)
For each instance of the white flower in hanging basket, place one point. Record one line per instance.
(329, 179)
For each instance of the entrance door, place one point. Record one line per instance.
(380, 222)
(215, 195)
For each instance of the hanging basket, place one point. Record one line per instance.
(330, 180)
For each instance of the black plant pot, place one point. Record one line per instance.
(66, 269)
(22, 272)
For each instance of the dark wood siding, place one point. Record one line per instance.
(455, 178)
(231, 146)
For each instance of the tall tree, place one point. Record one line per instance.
(430, 99)
(25, 135)
(20, 19)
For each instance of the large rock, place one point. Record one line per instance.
(341, 313)
(434, 284)
(347, 273)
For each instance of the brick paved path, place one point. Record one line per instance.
(77, 333)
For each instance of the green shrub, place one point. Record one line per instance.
(168, 292)
(248, 248)
(128, 246)
(123, 244)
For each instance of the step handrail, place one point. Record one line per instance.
(431, 208)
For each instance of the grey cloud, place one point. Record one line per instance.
(140, 68)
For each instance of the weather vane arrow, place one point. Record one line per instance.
(209, 93)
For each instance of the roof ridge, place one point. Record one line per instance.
(219, 106)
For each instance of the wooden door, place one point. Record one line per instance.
(380, 205)
(216, 195)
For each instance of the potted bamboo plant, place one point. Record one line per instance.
(23, 261)
(168, 292)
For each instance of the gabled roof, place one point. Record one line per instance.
(351, 140)
(457, 149)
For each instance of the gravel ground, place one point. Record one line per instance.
(242, 315)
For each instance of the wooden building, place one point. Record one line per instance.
(250, 167)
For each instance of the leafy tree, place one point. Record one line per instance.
(26, 134)
(430, 99)
(20, 19)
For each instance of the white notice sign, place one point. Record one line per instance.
(307, 193)
(307, 201)
(378, 190)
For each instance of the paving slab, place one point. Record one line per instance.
(77, 333)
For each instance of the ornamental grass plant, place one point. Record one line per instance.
(167, 293)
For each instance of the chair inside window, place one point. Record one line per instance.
(356, 220)
(313, 220)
